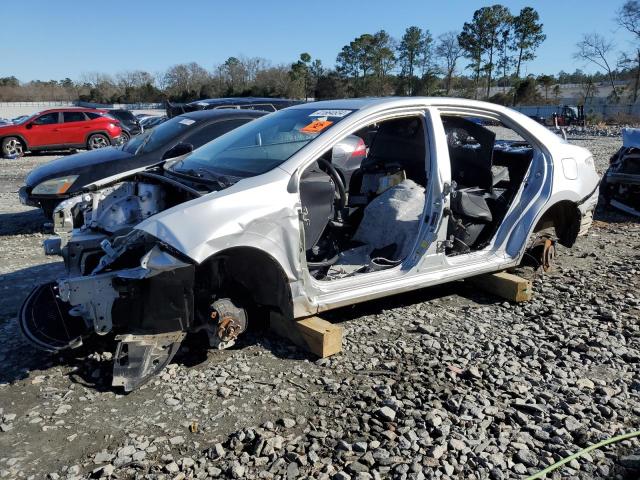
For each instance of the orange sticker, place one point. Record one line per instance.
(316, 126)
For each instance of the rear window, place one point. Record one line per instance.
(93, 115)
(73, 117)
(123, 115)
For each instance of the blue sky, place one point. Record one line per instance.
(53, 39)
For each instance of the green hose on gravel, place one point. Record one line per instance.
(603, 443)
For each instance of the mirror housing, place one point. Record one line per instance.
(177, 150)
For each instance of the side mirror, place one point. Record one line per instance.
(177, 150)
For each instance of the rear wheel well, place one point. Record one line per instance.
(564, 217)
(252, 278)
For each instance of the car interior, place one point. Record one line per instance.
(487, 173)
(372, 222)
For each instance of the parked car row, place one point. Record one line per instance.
(76, 128)
(70, 128)
(49, 184)
(58, 129)
(237, 103)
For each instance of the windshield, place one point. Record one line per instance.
(263, 144)
(160, 135)
(21, 119)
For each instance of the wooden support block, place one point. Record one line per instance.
(505, 285)
(315, 335)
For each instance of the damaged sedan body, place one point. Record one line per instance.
(307, 209)
(621, 182)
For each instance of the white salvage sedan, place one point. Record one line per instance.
(277, 218)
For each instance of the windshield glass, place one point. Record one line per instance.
(21, 119)
(160, 135)
(263, 144)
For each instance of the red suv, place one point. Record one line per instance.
(60, 128)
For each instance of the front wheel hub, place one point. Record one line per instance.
(228, 322)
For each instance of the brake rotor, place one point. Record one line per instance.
(548, 254)
(229, 322)
(543, 250)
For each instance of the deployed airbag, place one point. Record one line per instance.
(393, 218)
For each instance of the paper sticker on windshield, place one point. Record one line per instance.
(316, 126)
(187, 121)
(331, 113)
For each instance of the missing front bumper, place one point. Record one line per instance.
(140, 357)
(150, 308)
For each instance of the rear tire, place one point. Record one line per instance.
(97, 140)
(125, 137)
(12, 147)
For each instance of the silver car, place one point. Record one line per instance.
(273, 219)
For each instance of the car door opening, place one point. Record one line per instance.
(488, 165)
(362, 213)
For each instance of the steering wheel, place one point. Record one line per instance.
(337, 180)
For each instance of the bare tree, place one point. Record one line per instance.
(449, 51)
(629, 18)
(596, 49)
(588, 89)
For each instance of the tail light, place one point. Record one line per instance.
(360, 151)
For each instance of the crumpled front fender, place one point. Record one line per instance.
(257, 212)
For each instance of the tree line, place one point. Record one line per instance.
(491, 50)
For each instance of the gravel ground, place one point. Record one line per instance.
(446, 382)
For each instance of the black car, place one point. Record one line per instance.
(128, 122)
(238, 103)
(49, 184)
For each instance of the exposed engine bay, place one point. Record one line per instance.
(125, 283)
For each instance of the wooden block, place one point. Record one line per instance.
(505, 285)
(315, 335)
(322, 338)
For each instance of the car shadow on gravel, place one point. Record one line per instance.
(22, 223)
(16, 285)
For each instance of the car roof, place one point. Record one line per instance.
(246, 100)
(70, 109)
(200, 115)
(374, 104)
(367, 102)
